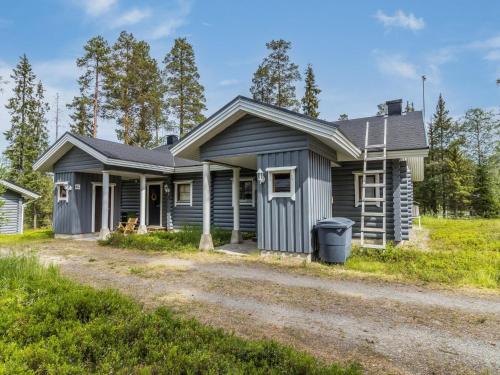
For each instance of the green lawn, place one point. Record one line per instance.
(31, 235)
(51, 325)
(461, 252)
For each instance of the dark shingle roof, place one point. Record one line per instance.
(404, 132)
(114, 150)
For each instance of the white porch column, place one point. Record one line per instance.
(104, 233)
(236, 234)
(142, 212)
(206, 238)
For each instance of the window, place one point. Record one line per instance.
(281, 182)
(62, 191)
(372, 192)
(183, 195)
(247, 191)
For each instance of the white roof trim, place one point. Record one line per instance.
(328, 134)
(60, 148)
(199, 168)
(20, 190)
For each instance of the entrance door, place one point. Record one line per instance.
(154, 205)
(98, 208)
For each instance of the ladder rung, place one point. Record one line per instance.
(381, 145)
(371, 185)
(373, 199)
(374, 171)
(378, 214)
(373, 230)
(375, 158)
(374, 246)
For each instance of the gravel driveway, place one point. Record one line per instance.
(387, 327)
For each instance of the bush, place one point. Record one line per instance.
(49, 324)
(186, 239)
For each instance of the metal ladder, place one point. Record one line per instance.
(370, 158)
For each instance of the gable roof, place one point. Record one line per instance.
(112, 153)
(404, 132)
(326, 131)
(19, 189)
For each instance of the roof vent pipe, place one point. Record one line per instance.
(394, 107)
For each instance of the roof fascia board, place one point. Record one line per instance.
(288, 119)
(19, 189)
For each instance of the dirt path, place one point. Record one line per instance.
(387, 327)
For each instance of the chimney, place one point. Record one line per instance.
(394, 107)
(172, 139)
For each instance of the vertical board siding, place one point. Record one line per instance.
(75, 216)
(11, 212)
(130, 197)
(253, 135)
(189, 215)
(76, 160)
(222, 202)
(344, 199)
(405, 204)
(283, 224)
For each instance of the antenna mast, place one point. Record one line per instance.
(423, 95)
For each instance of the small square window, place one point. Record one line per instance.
(62, 192)
(371, 192)
(183, 193)
(281, 182)
(247, 191)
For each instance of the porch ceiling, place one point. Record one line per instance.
(243, 161)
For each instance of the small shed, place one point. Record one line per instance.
(14, 198)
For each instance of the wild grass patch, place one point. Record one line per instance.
(33, 235)
(49, 324)
(186, 239)
(461, 252)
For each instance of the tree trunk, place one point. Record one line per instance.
(96, 98)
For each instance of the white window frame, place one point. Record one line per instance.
(378, 190)
(246, 202)
(64, 184)
(278, 170)
(183, 182)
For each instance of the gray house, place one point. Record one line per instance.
(14, 199)
(248, 167)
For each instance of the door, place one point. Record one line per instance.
(154, 205)
(98, 208)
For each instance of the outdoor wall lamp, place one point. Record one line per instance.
(260, 176)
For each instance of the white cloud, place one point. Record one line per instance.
(491, 43)
(97, 7)
(400, 19)
(167, 28)
(131, 17)
(493, 55)
(229, 82)
(395, 65)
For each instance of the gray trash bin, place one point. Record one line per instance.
(334, 238)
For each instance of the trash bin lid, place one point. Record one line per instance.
(335, 222)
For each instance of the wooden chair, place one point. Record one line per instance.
(128, 226)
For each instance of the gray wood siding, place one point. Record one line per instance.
(222, 207)
(344, 199)
(405, 205)
(76, 160)
(11, 212)
(75, 216)
(189, 215)
(396, 198)
(282, 223)
(253, 135)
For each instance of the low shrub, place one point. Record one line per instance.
(186, 239)
(49, 324)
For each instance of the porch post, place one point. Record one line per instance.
(104, 233)
(142, 212)
(236, 234)
(206, 238)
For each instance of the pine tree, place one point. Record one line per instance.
(460, 178)
(310, 101)
(281, 75)
(409, 107)
(185, 94)
(94, 62)
(481, 130)
(261, 89)
(81, 117)
(28, 139)
(343, 117)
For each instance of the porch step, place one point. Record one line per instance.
(373, 214)
(374, 171)
(374, 199)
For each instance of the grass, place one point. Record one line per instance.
(460, 253)
(186, 239)
(32, 235)
(51, 325)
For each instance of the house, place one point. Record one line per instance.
(248, 167)
(14, 199)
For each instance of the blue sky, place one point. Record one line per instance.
(363, 52)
